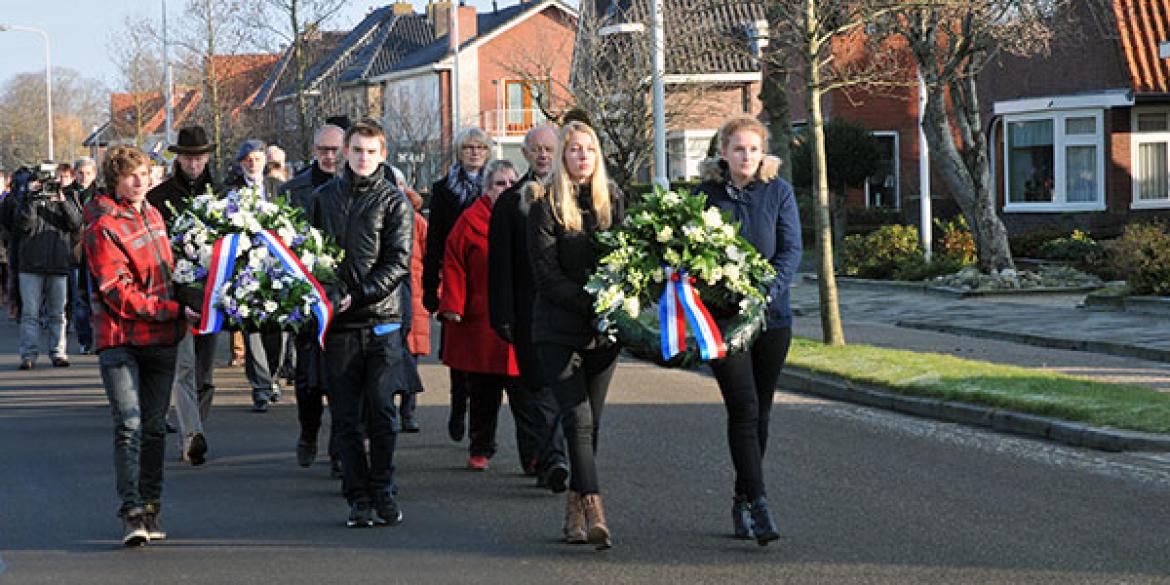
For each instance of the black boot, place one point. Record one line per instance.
(741, 517)
(763, 525)
(456, 425)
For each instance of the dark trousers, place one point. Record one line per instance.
(579, 379)
(748, 383)
(362, 372)
(550, 434)
(487, 393)
(310, 390)
(138, 385)
(79, 293)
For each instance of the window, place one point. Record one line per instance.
(1054, 161)
(523, 101)
(881, 189)
(1151, 158)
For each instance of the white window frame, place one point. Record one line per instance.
(897, 170)
(1137, 138)
(1060, 142)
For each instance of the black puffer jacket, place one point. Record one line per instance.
(374, 224)
(299, 189)
(46, 234)
(562, 262)
(175, 191)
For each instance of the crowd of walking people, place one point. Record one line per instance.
(499, 258)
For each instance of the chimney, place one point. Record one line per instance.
(400, 8)
(439, 15)
(467, 23)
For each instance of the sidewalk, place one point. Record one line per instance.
(1034, 331)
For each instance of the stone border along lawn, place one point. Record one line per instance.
(1032, 391)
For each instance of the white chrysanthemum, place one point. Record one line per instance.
(270, 306)
(731, 271)
(665, 234)
(671, 198)
(631, 306)
(712, 217)
(735, 254)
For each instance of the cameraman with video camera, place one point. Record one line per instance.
(46, 220)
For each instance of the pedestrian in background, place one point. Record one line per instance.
(511, 294)
(744, 182)
(138, 322)
(577, 362)
(450, 197)
(194, 383)
(81, 192)
(418, 336)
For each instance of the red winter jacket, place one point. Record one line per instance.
(130, 261)
(419, 339)
(471, 345)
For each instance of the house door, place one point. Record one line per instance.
(881, 189)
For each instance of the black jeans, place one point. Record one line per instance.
(579, 379)
(748, 383)
(362, 374)
(486, 393)
(138, 385)
(550, 434)
(310, 390)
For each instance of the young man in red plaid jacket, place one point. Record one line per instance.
(137, 324)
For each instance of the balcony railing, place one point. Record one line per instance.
(511, 122)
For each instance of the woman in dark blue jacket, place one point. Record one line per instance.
(743, 182)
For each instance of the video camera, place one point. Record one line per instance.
(50, 186)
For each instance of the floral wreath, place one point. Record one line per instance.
(687, 259)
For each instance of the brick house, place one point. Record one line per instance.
(706, 80)
(1079, 138)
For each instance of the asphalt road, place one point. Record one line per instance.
(862, 496)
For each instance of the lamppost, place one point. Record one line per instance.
(48, 75)
(658, 87)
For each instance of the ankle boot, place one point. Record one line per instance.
(763, 524)
(741, 517)
(598, 529)
(574, 528)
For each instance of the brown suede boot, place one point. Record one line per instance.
(574, 528)
(598, 532)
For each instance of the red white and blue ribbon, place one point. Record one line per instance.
(223, 265)
(322, 308)
(681, 301)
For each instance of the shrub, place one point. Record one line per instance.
(881, 253)
(1028, 244)
(1142, 256)
(956, 244)
(1077, 247)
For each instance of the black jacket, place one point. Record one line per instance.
(299, 189)
(271, 185)
(562, 262)
(511, 291)
(374, 224)
(445, 209)
(46, 234)
(175, 191)
(80, 197)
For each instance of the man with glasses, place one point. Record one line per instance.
(310, 390)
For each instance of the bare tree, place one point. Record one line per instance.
(414, 134)
(952, 40)
(135, 52)
(79, 103)
(296, 21)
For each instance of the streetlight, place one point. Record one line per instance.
(657, 66)
(48, 75)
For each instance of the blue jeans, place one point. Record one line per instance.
(79, 287)
(42, 292)
(138, 386)
(363, 371)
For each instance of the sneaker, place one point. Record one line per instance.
(27, 364)
(133, 528)
(150, 521)
(196, 451)
(60, 362)
(274, 395)
(477, 463)
(386, 511)
(259, 406)
(306, 451)
(360, 515)
(741, 518)
(557, 478)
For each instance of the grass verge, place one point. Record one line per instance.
(1040, 392)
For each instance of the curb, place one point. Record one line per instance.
(1053, 429)
(1104, 347)
(949, 291)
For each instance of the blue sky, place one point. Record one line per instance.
(79, 30)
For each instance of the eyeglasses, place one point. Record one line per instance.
(503, 182)
(474, 147)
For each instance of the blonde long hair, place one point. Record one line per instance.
(561, 189)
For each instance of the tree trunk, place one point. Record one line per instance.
(299, 64)
(971, 187)
(831, 330)
(212, 82)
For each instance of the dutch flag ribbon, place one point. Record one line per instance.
(323, 309)
(680, 304)
(223, 264)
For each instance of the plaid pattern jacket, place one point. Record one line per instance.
(130, 260)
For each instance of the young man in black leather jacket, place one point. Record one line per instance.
(374, 223)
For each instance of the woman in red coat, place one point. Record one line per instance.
(418, 337)
(470, 344)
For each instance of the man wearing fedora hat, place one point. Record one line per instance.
(193, 388)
